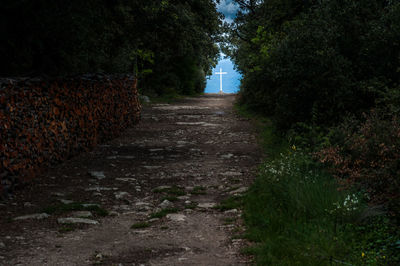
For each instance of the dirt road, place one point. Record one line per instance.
(164, 177)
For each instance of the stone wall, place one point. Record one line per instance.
(43, 122)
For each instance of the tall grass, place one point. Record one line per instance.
(296, 215)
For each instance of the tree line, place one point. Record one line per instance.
(170, 43)
(316, 61)
(327, 73)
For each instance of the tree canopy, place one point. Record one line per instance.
(316, 60)
(171, 41)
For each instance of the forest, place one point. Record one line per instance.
(326, 74)
(169, 44)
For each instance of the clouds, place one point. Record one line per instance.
(228, 8)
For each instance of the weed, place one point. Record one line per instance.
(67, 228)
(191, 206)
(230, 203)
(169, 198)
(140, 225)
(176, 191)
(229, 220)
(199, 190)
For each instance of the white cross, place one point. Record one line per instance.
(220, 73)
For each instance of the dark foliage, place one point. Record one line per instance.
(315, 61)
(171, 41)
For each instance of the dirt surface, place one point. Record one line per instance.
(182, 159)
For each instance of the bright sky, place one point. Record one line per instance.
(228, 8)
(230, 81)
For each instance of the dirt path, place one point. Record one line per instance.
(182, 159)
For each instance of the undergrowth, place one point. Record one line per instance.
(296, 215)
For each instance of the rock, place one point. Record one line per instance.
(64, 201)
(166, 204)
(122, 207)
(155, 150)
(143, 206)
(231, 174)
(98, 189)
(239, 190)
(144, 98)
(148, 167)
(128, 157)
(154, 220)
(231, 211)
(126, 179)
(121, 195)
(227, 156)
(28, 204)
(162, 187)
(113, 213)
(2, 245)
(111, 157)
(97, 174)
(58, 194)
(183, 197)
(176, 217)
(72, 220)
(88, 205)
(36, 216)
(82, 214)
(188, 202)
(207, 205)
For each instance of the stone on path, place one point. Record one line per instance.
(99, 189)
(231, 174)
(162, 188)
(36, 216)
(72, 220)
(127, 179)
(166, 204)
(239, 190)
(82, 214)
(227, 156)
(2, 245)
(97, 174)
(121, 195)
(176, 217)
(150, 167)
(64, 201)
(207, 205)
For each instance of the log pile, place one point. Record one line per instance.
(43, 122)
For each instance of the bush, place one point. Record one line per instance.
(366, 154)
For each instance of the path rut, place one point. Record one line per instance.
(183, 158)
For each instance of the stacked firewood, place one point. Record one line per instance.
(43, 122)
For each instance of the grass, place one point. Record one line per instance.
(230, 203)
(140, 225)
(170, 198)
(191, 206)
(67, 228)
(61, 208)
(199, 190)
(163, 212)
(175, 191)
(229, 220)
(269, 138)
(295, 215)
